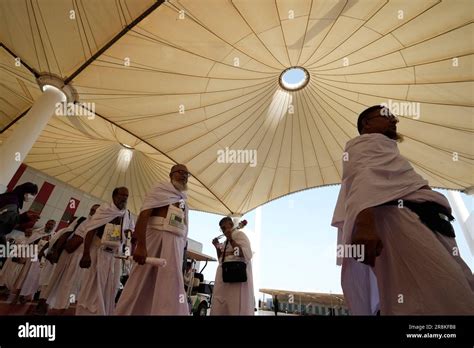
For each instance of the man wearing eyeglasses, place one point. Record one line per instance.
(410, 263)
(161, 232)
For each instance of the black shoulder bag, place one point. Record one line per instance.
(233, 271)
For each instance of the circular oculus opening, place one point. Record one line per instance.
(294, 78)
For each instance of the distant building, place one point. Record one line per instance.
(306, 303)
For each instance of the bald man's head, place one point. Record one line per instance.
(93, 209)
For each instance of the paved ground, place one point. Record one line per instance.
(28, 309)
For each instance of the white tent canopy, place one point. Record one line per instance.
(181, 80)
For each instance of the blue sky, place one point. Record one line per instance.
(298, 244)
(293, 76)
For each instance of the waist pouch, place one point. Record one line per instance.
(435, 216)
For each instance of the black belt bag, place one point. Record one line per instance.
(233, 271)
(435, 216)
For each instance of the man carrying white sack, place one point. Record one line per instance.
(66, 273)
(383, 210)
(104, 238)
(162, 229)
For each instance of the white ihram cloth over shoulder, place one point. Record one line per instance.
(24, 243)
(65, 276)
(234, 298)
(10, 269)
(46, 267)
(154, 290)
(411, 274)
(106, 213)
(100, 282)
(54, 237)
(31, 283)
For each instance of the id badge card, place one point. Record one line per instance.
(175, 220)
(112, 235)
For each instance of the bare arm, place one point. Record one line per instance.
(140, 253)
(61, 242)
(88, 241)
(215, 242)
(365, 235)
(86, 256)
(73, 243)
(140, 228)
(57, 248)
(366, 219)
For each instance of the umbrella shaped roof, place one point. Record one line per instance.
(185, 81)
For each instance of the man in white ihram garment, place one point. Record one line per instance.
(11, 269)
(101, 279)
(49, 262)
(30, 282)
(410, 263)
(66, 273)
(19, 270)
(161, 231)
(233, 298)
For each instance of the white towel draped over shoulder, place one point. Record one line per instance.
(161, 195)
(70, 228)
(243, 241)
(37, 234)
(414, 262)
(154, 290)
(106, 213)
(164, 194)
(374, 173)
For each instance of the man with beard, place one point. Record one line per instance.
(101, 279)
(409, 264)
(161, 231)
